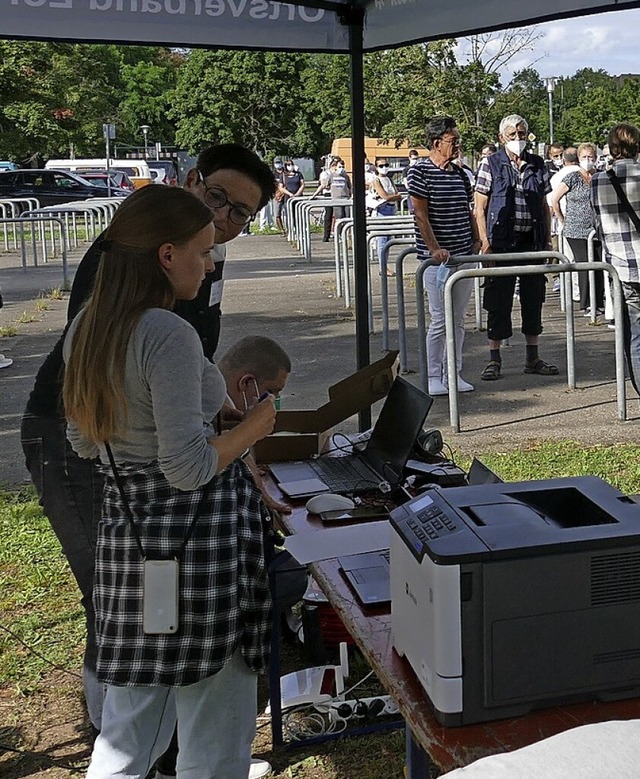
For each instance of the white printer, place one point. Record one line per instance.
(515, 596)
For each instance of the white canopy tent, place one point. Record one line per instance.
(341, 26)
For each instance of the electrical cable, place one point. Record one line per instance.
(44, 756)
(37, 654)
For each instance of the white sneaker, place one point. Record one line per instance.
(259, 768)
(464, 386)
(436, 387)
(5, 362)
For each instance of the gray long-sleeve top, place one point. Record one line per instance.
(173, 394)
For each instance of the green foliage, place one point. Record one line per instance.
(253, 98)
(39, 602)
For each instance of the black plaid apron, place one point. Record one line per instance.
(224, 594)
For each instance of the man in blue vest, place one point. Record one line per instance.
(512, 216)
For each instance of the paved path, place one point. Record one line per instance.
(271, 290)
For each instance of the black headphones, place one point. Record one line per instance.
(429, 442)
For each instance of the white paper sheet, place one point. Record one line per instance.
(325, 543)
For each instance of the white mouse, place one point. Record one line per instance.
(328, 502)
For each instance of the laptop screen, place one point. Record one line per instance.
(401, 419)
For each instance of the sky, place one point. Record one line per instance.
(609, 41)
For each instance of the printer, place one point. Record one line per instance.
(514, 596)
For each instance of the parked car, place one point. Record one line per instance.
(118, 178)
(7, 165)
(137, 170)
(52, 187)
(164, 172)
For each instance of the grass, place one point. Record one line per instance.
(42, 304)
(8, 331)
(38, 600)
(39, 605)
(26, 317)
(56, 293)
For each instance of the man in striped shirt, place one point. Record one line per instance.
(512, 216)
(441, 196)
(620, 236)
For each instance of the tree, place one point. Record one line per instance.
(254, 98)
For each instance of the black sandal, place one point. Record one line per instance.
(491, 371)
(541, 368)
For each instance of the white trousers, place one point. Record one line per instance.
(436, 337)
(216, 725)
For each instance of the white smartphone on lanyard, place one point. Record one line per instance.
(160, 596)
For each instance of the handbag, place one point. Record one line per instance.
(624, 200)
(373, 201)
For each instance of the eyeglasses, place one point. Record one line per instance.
(216, 197)
(514, 134)
(455, 142)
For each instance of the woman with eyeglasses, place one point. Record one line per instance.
(384, 188)
(181, 594)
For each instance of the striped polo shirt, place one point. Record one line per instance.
(448, 194)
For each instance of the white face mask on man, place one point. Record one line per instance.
(516, 147)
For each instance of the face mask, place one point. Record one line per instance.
(244, 395)
(340, 168)
(557, 162)
(289, 167)
(442, 274)
(516, 147)
(382, 169)
(412, 161)
(587, 164)
(278, 166)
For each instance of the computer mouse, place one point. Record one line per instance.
(328, 501)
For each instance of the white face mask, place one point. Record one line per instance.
(289, 167)
(516, 147)
(412, 161)
(340, 168)
(587, 165)
(382, 169)
(557, 161)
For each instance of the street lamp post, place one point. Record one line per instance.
(145, 131)
(550, 84)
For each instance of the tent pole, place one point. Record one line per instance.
(355, 19)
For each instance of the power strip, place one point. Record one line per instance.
(377, 706)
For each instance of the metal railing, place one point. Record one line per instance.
(565, 268)
(34, 221)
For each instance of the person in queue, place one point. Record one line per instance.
(234, 184)
(512, 216)
(140, 395)
(615, 199)
(441, 194)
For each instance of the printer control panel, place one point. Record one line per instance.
(429, 525)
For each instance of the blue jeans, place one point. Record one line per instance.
(216, 720)
(388, 209)
(631, 329)
(70, 492)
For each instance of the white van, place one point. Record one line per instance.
(137, 170)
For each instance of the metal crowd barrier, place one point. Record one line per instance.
(303, 223)
(564, 268)
(376, 226)
(11, 208)
(33, 221)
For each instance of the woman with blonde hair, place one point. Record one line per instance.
(578, 221)
(181, 595)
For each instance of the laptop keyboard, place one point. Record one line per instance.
(343, 474)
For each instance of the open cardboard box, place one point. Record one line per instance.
(299, 435)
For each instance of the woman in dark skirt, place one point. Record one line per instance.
(181, 596)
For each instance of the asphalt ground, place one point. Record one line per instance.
(270, 289)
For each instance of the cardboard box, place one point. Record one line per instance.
(299, 435)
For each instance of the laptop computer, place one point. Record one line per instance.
(368, 575)
(479, 473)
(385, 455)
